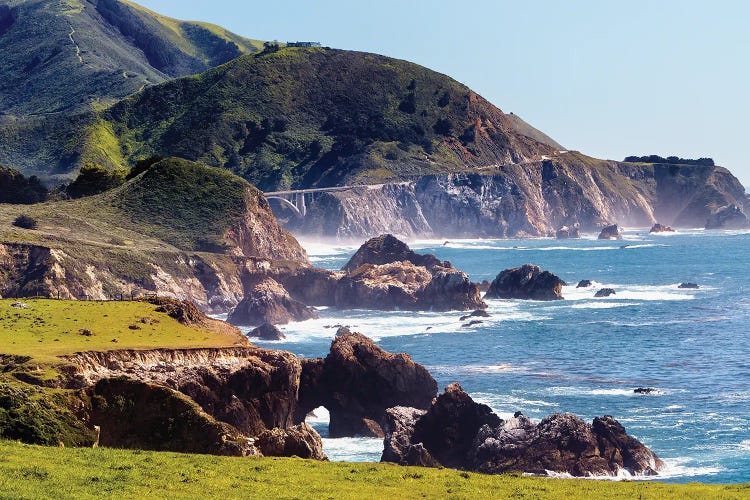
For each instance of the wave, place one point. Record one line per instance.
(584, 391)
(675, 468)
(603, 305)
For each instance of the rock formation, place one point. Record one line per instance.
(358, 381)
(688, 285)
(610, 233)
(728, 217)
(385, 274)
(660, 228)
(267, 331)
(527, 282)
(298, 441)
(268, 302)
(604, 292)
(457, 432)
(566, 232)
(584, 284)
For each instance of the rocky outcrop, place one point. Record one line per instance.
(604, 292)
(688, 285)
(728, 217)
(386, 249)
(457, 432)
(660, 228)
(267, 331)
(268, 302)
(584, 284)
(566, 232)
(527, 282)
(298, 441)
(610, 233)
(358, 381)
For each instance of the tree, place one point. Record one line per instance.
(94, 179)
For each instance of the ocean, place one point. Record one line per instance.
(585, 355)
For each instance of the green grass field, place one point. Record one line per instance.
(41, 472)
(53, 328)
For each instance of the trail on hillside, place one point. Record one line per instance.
(78, 49)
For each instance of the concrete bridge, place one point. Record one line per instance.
(298, 200)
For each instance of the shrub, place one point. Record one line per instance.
(443, 126)
(25, 222)
(143, 165)
(94, 179)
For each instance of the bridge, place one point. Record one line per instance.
(297, 200)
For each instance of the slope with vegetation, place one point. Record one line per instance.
(32, 471)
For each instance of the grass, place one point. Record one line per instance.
(53, 328)
(37, 472)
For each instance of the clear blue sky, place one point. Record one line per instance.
(609, 78)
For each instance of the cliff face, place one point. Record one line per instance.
(533, 199)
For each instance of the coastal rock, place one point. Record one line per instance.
(610, 233)
(728, 217)
(688, 285)
(659, 228)
(644, 390)
(584, 284)
(386, 249)
(484, 286)
(479, 313)
(566, 232)
(458, 432)
(298, 441)
(527, 282)
(267, 331)
(604, 292)
(358, 381)
(268, 302)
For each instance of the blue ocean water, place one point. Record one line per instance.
(585, 355)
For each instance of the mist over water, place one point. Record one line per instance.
(585, 355)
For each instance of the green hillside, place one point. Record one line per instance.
(38, 472)
(70, 55)
(524, 128)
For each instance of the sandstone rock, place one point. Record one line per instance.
(298, 441)
(358, 381)
(457, 432)
(584, 284)
(610, 233)
(728, 217)
(688, 285)
(387, 249)
(659, 228)
(268, 302)
(526, 282)
(604, 292)
(267, 331)
(566, 232)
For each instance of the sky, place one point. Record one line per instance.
(608, 78)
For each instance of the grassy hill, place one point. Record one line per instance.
(35, 472)
(524, 128)
(70, 55)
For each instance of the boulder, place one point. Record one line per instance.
(566, 232)
(728, 217)
(610, 233)
(660, 228)
(267, 331)
(688, 285)
(358, 381)
(458, 432)
(584, 284)
(387, 249)
(298, 441)
(604, 292)
(527, 282)
(268, 302)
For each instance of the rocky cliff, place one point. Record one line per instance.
(534, 199)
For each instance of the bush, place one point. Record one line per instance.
(443, 127)
(25, 222)
(94, 179)
(143, 165)
(15, 188)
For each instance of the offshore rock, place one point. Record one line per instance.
(267, 331)
(610, 233)
(386, 249)
(728, 217)
(584, 284)
(268, 302)
(660, 228)
(527, 282)
(604, 292)
(358, 381)
(689, 285)
(457, 432)
(566, 232)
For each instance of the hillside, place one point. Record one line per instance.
(34, 471)
(72, 55)
(524, 128)
(180, 228)
(311, 117)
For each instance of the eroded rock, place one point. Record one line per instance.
(610, 233)
(527, 282)
(268, 302)
(660, 228)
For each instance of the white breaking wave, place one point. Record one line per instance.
(602, 305)
(583, 391)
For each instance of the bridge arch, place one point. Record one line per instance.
(287, 204)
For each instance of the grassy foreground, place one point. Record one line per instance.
(41, 472)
